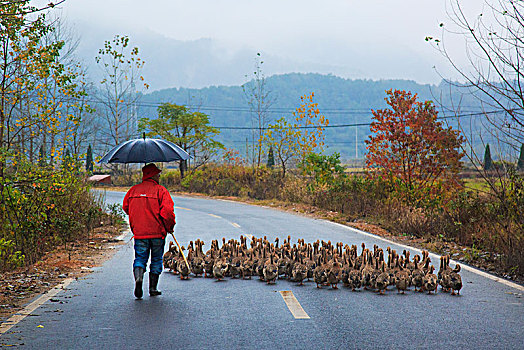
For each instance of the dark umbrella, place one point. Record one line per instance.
(145, 150)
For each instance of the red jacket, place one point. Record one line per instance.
(150, 209)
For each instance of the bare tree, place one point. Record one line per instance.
(260, 100)
(23, 8)
(494, 43)
(494, 75)
(120, 86)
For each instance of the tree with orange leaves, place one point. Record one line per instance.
(418, 155)
(311, 124)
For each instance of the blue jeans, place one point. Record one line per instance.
(142, 249)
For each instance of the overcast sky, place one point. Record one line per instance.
(321, 32)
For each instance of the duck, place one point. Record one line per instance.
(282, 263)
(182, 267)
(260, 264)
(319, 276)
(367, 271)
(443, 276)
(197, 261)
(402, 279)
(299, 271)
(361, 259)
(220, 267)
(247, 267)
(209, 261)
(456, 280)
(235, 264)
(430, 281)
(382, 279)
(310, 263)
(170, 257)
(346, 268)
(355, 277)
(270, 271)
(334, 273)
(417, 275)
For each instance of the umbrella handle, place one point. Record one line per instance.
(180, 249)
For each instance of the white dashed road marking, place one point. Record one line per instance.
(293, 304)
(183, 208)
(235, 224)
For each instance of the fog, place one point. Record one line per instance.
(205, 42)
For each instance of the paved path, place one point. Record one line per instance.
(99, 311)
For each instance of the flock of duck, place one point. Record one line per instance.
(324, 263)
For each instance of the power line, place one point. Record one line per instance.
(216, 108)
(351, 125)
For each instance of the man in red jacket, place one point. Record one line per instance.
(151, 216)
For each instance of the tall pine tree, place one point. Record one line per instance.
(520, 163)
(41, 157)
(488, 162)
(270, 158)
(67, 160)
(89, 160)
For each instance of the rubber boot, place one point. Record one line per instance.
(139, 278)
(153, 282)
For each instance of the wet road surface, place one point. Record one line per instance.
(99, 311)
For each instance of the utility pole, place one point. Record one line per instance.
(356, 142)
(247, 151)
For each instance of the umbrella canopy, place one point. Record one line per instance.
(145, 150)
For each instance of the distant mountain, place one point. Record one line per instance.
(342, 101)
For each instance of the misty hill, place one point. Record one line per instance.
(342, 101)
(197, 63)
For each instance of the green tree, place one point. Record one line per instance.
(189, 130)
(322, 167)
(26, 63)
(89, 160)
(488, 162)
(33, 85)
(293, 142)
(282, 137)
(520, 162)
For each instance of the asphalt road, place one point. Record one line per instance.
(99, 311)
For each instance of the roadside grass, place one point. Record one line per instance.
(476, 184)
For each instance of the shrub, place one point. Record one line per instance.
(227, 187)
(170, 178)
(41, 207)
(9, 257)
